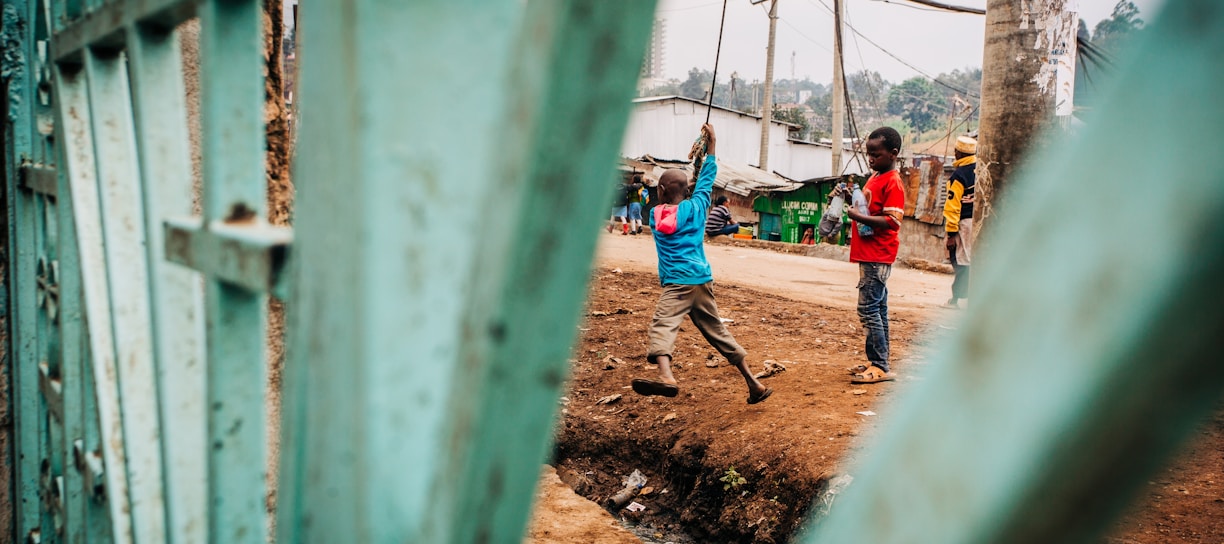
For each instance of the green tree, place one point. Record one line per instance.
(1124, 22)
(794, 116)
(697, 84)
(822, 121)
(867, 91)
(918, 102)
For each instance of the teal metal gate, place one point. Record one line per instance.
(432, 306)
(138, 333)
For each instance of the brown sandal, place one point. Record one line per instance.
(857, 369)
(873, 375)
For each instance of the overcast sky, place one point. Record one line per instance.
(933, 41)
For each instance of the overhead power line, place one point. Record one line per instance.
(949, 7)
(805, 36)
(903, 61)
(905, 5)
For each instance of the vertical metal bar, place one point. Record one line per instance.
(23, 324)
(177, 293)
(1090, 351)
(100, 523)
(27, 405)
(127, 275)
(72, 349)
(586, 51)
(396, 312)
(47, 338)
(232, 110)
(101, 392)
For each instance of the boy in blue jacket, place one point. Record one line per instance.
(684, 272)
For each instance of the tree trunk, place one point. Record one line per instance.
(1017, 96)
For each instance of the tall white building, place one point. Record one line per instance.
(652, 64)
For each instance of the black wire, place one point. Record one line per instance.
(717, 54)
(899, 59)
(908, 6)
(947, 7)
(958, 125)
(841, 49)
(875, 99)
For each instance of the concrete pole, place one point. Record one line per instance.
(767, 99)
(1018, 94)
(839, 88)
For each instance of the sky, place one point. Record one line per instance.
(932, 41)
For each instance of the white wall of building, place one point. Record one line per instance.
(665, 128)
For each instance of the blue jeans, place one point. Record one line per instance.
(873, 310)
(635, 211)
(730, 228)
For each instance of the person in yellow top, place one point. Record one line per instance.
(958, 216)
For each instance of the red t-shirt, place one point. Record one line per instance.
(884, 194)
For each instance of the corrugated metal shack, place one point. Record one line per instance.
(740, 183)
(787, 213)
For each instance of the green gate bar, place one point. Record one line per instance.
(79, 165)
(411, 229)
(124, 243)
(232, 111)
(1092, 347)
(176, 293)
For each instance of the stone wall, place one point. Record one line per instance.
(922, 241)
(824, 251)
(920, 248)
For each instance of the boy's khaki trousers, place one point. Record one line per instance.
(696, 301)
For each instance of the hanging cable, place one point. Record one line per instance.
(717, 54)
(698, 152)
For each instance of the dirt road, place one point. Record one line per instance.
(787, 450)
(808, 279)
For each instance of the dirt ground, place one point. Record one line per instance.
(572, 518)
(783, 453)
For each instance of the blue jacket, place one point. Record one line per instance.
(682, 259)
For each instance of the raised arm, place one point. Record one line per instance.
(709, 171)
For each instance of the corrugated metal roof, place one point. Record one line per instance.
(700, 103)
(740, 179)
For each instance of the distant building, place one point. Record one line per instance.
(665, 127)
(652, 64)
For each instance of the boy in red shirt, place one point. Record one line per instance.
(876, 253)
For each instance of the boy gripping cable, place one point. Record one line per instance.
(687, 281)
(877, 252)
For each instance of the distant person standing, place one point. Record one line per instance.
(876, 252)
(620, 206)
(958, 217)
(638, 196)
(719, 221)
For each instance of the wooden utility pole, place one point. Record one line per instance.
(767, 100)
(1018, 92)
(839, 88)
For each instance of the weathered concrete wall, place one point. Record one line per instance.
(922, 241)
(824, 251)
(842, 253)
